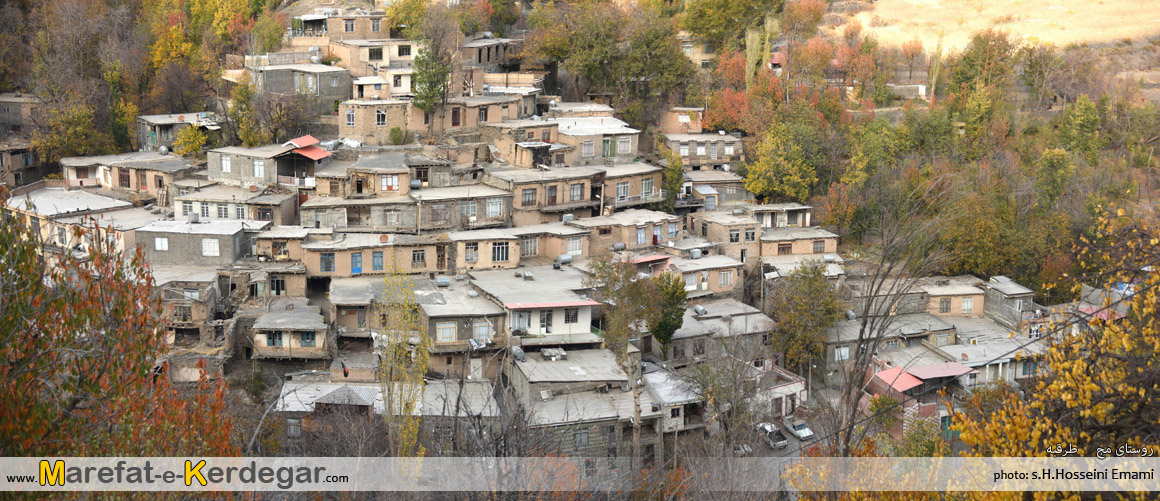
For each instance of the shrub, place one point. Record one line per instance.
(398, 136)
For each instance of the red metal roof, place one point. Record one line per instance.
(945, 369)
(558, 304)
(313, 152)
(302, 142)
(1101, 313)
(777, 58)
(899, 379)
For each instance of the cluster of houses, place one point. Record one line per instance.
(279, 254)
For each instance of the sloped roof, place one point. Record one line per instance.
(899, 379)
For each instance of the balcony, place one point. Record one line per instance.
(647, 198)
(298, 182)
(87, 182)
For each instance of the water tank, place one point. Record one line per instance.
(315, 59)
(700, 310)
(443, 281)
(518, 353)
(725, 317)
(416, 184)
(193, 217)
(567, 217)
(564, 258)
(850, 315)
(695, 253)
(164, 150)
(618, 246)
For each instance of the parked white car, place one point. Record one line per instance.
(797, 427)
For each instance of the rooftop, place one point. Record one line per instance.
(902, 325)
(356, 291)
(631, 217)
(51, 202)
(303, 67)
(457, 192)
(218, 193)
(290, 232)
(586, 406)
(183, 273)
(724, 317)
(467, 398)
(483, 100)
(291, 314)
(580, 366)
(151, 160)
(301, 396)
(456, 300)
(632, 169)
(786, 264)
(776, 207)
(791, 233)
(712, 176)
(575, 107)
(344, 241)
(487, 234)
(593, 126)
(213, 227)
(1007, 286)
(548, 288)
(704, 263)
(668, 388)
(964, 285)
(706, 136)
(173, 118)
(558, 229)
(549, 174)
(120, 219)
(727, 218)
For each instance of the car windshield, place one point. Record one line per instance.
(800, 426)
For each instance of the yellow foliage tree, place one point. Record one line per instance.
(189, 141)
(781, 170)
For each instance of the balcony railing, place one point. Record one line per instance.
(646, 198)
(300, 182)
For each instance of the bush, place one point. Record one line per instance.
(398, 136)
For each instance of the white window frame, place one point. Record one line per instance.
(683, 149)
(240, 211)
(160, 244)
(968, 305)
(350, 118)
(624, 145)
(494, 207)
(210, 247)
(223, 211)
(390, 182)
(575, 246)
(529, 246)
(841, 353)
(725, 278)
(380, 118)
(259, 167)
(728, 149)
(700, 149)
(641, 235)
(588, 148)
(226, 163)
(673, 229)
(392, 218)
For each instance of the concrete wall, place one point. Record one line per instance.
(976, 309)
(576, 155)
(186, 248)
(241, 169)
(801, 246)
(710, 280)
(366, 128)
(291, 345)
(484, 255)
(392, 256)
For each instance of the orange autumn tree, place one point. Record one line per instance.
(80, 337)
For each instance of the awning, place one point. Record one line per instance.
(899, 379)
(313, 152)
(558, 304)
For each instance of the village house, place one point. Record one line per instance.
(370, 120)
(632, 229)
(542, 306)
(207, 243)
(803, 240)
(464, 328)
(370, 193)
(197, 342)
(489, 249)
(525, 143)
(954, 296)
(709, 326)
(357, 24)
(465, 113)
(635, 183)
(780, 215)
(597, 140)
(921, 331)
(778, 390)
(911, 388)
(156, 131)
(381, 57)
(258, 279)
(703, 54)
(735, 234)
(118, 226)
(681, 120)
(290, 329)
(17, 112)
(714, 188)
(147, 172)
(327, 86)
(217, 202)
(547, 195)
(715, 276)
(355, 303)
(1008, 302)
(462, 207)
(41, 207)
(556, 109)
(707, 151)
(354, 254)
(490, 52)
(996, 354)
(291, 164)
(678, 400)
(18, 163)
(528, 85)
(540, 243)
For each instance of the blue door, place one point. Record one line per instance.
(356, 263)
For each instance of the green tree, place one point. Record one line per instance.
(432, 83)
(1053, 171)
(408, 15)
(1079, 129)
(803, 305)
(987, 61)
(189, 141)
(723, 22)
(70, 132)
(873, 145)
(780, 170)
(674, 176)
(584, 37)
(670, 289)
(267, 32)
(243, 111)
(650, 66)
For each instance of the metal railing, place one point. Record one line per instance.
(645, 198)
(301, 182)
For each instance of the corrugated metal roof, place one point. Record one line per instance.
(946, 369)
(899, 379)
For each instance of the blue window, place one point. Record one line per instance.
(326, 261)
(308, 339)
(356, 263)
(377, 260)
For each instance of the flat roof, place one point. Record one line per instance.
(778, 207)
(356, 291)
(345, 241)
(1007, 286)
(520, 123)
(455, 192)
(51, 202)
(151, 160)
(668, 388)
(219, 193)
(182, 273)
(21, 97)
(304, 67)
(574, 107)
(631, 217)
(712, 176)
(704, 263)
(706, 136)
(300, 396)
(267, 151)
(456, 300)
(513, 90)
(743, 319)
(902, 325)
(291, 232)
(351, 202)
(950, 286)
(467, 398)
(585, 407)
(486, 234)
(593, 126)
(788, 263)
(549, 174)
(386, 162)
(482, 100)
(725, 217)
(581, 365)
(172, 118)
(211, 227)
(558, 229)
(548, 288)
(631, 169)
(791, 233)
(291, 314)
(120, 219)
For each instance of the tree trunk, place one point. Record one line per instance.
(636, 455)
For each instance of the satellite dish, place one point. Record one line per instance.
(164, 150)
(315, 59)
